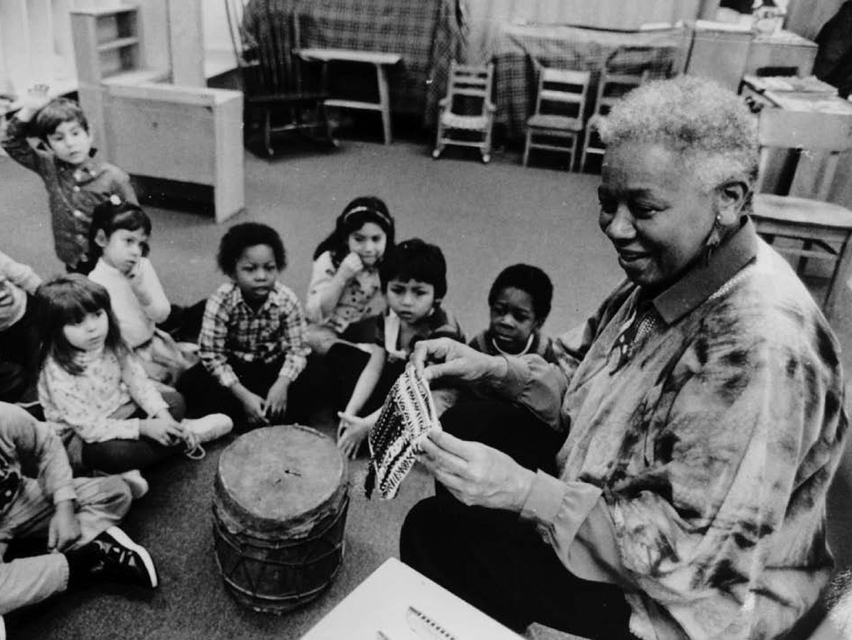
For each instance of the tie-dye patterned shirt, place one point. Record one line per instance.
(703, 433)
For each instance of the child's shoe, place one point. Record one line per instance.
(137, 484)
(114, 557)
(209, 427)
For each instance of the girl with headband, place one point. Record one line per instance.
(345, 284)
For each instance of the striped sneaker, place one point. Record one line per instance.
(120, 559)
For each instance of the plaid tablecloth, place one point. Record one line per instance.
(428, 34)
(518, 50)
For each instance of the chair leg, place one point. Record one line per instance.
(527, 147)
(573, 152)
(323, 112)
(486, 145)
(439, 134)
(384, 100)
(267, 131)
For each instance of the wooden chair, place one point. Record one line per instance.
(812, 228)
(264, 42)
(560, 106)
(467, 112)
(611, 88)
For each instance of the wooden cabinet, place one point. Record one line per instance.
(726, 54)
(182, 134)
(108, 43)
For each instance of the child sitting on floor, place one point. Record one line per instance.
(119, 238)
(109, 413)
(252, 342)
(76, 516)
(18, 332)
(345, 285)
(519, 301)
(76, 182)
(414, 278)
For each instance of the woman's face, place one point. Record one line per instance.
(369, 243)
(654, 211)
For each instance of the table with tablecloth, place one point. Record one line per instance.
(428, 34)
(517, 51)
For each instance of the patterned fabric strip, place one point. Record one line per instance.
(407, 416)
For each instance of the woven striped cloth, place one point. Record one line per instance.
(407, 416)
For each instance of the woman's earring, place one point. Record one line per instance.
(714, 239)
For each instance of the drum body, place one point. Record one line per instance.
(279, 512)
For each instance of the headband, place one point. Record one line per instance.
(363, 208)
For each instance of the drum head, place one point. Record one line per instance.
(281, 478)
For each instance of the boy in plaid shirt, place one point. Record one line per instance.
(252, 336)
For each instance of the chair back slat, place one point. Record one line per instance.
(469, 88)
(815, 140)
(264, 42)
(562, 92)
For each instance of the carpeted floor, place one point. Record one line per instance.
(484, 217)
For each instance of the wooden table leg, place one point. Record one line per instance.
(384, 101)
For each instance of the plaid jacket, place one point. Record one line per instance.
(232, 329)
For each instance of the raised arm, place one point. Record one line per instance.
(15, 141)
(148, 290)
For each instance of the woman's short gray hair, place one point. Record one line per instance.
(710, 126)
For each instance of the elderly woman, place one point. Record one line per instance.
(702, 404)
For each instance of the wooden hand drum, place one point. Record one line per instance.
(279, 512)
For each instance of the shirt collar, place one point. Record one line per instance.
(87, 170)
(703, 280)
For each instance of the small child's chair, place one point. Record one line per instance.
(467, 112)
(560, 108)
(611, 88)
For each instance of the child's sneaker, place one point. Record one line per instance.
(208, 427)
(119, 559)
(137, 484)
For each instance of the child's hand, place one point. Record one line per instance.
(33, 101)
(166, 431)
(255, 408)
(351, 433)
(351, 266)
(276, 399)
(64, 528)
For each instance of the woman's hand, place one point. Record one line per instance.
(351, 266)
(162, 428)
(276, 399)
(351, 433)
(446, 358)
(476, 474)
(64, 529)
